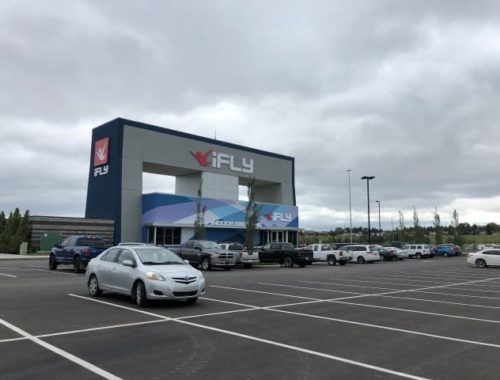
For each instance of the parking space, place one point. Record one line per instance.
(437, 319)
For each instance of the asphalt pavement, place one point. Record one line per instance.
(416, 319)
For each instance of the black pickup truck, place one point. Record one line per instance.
(285, 254)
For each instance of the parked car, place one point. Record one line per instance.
(388, 253)
(418, 251)
(362, 253)
(76, 251)
(448, 250)
(241, 255)
(285, 254)
(205, 253)
(401, 254)
(485, 257)
(144, 272)
(325, 253)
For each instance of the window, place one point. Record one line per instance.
(188, 244)
(111, 255)
(91, 242)
(125, 254)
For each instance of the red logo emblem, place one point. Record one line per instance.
(269, 216)
(202, 158)
(101, 151)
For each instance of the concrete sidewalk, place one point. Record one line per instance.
(9, 256)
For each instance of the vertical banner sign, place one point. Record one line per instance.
(101, 157)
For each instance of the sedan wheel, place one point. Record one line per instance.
(93, 285)
(140, 295)
(480, 263)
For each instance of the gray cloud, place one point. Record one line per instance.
(405, 91)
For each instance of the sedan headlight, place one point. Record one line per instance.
(155, 276)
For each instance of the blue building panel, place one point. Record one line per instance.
(175, 210)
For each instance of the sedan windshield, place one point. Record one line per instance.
(157, 256)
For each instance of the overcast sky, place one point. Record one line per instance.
(406, 91)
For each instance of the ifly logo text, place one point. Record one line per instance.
(218, 160)
(279, 217)
(101, 170)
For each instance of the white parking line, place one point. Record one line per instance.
(351, 286)
(407, 279)
(262, 292)
(477, 290)
(459, 295)
(449, 277)
(8, 275)
(278, 344)
(308, 288)
(383, 307)
(442, 337)
(378, 282)
(443, 302)
(64, 354)
(39, 270)
(418, 312)
(306, 351)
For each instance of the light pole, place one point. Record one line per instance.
(379, 227)
(350, 209)
(368, 178)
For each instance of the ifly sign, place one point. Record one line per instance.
(101, 157)
(218, 160)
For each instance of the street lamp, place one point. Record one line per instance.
(350, 209)
(368, 178)
(379, 227)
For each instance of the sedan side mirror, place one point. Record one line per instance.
(186, 261)
(128, 263)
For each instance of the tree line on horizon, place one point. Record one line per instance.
(14, 230)
(454, 233)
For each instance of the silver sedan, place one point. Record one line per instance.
(145, 272)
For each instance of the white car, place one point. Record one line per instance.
(144, 272)
(362, 253)
(418, 251)
(485, 257)
(241, 255)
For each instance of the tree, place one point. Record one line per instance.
(400, 232)
(252, 216)
(458, 238)
(199, 223)
(418, 232)
(438, 231)
(13, 231)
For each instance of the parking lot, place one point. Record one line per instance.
(437, 318)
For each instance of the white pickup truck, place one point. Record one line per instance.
(241, 255)
(324, 252)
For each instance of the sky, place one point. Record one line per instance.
(406, 91)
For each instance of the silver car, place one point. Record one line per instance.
(145, 272)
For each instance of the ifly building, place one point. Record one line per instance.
(208, 174)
